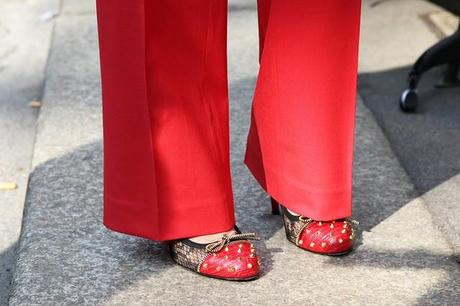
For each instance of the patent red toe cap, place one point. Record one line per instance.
(332, 237)
(237, 261)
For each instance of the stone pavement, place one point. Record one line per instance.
(24, 48)
(66, 256)
(427, 142)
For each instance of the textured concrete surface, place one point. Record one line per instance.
(25, 42)
(66, 257)
(427, 143)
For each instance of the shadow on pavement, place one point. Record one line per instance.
(427, 142)
(72, 250)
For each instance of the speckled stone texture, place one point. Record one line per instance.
(427, 142)
(66, 256)
(24, 46)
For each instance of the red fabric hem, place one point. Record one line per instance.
(173, 224)
(324, 206)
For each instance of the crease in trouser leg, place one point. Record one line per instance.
(188, 102)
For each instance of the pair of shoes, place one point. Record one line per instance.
(234, 256)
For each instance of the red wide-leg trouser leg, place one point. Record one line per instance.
(300, 143)
(165, 110)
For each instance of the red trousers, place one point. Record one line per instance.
(166, 113)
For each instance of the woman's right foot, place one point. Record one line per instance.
(232, 257)
(323, 237)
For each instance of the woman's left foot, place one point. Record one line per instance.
(324, 237)
(232, 257)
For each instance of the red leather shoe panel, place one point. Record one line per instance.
(333, 237)
(238, 260)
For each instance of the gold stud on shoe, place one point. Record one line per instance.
(344, 231)
(226, 249)
(320, 223)
(252, 255)
(340, 240)
(249, 265)
(300, 242)
(239, 251)
(312, 244)
(332, 225)
(323, 244)
(205, 265)
(218, 268)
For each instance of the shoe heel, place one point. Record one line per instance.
(275, 207)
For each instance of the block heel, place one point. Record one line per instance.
(275, 207)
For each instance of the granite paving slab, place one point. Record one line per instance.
(427, 142)
(24, 46)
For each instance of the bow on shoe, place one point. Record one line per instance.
(215, 247)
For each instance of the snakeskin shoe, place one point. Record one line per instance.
(323, 237)
(231, 258)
